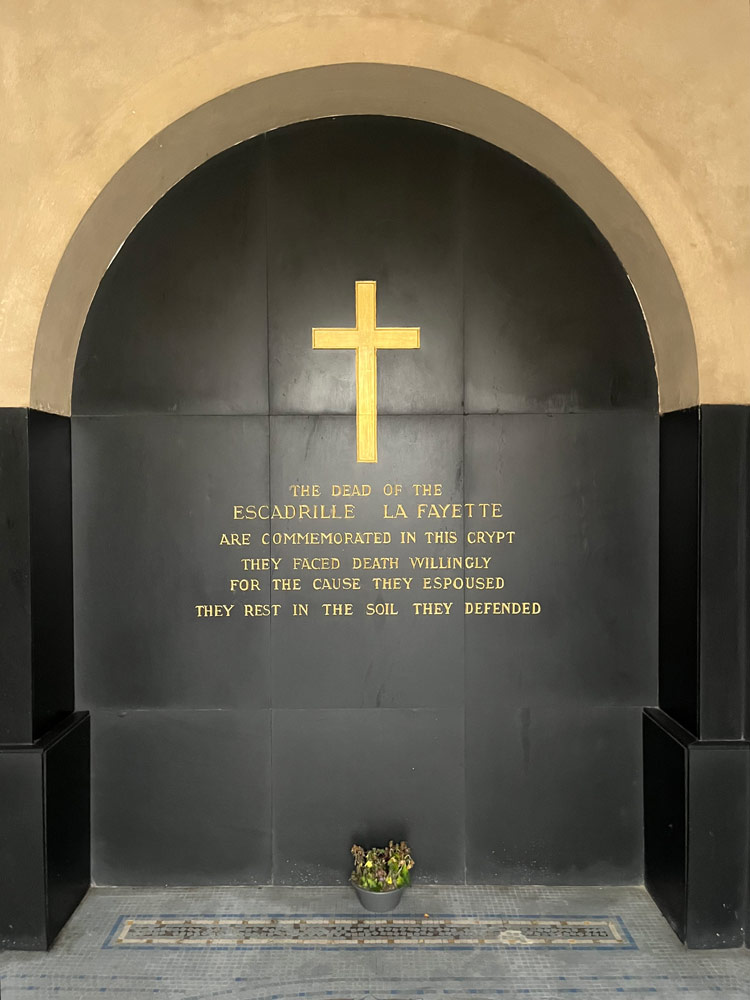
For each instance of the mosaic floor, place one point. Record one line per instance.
(337, 932)
(462, 943)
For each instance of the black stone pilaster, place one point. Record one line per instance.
(696, 832)
(50, 503)
(665, 815)
(16, 702)
(723, 621)
(679, 520)
(44, 834)
(36, 589)
(696, 749)
(44, 749)
(717, 844)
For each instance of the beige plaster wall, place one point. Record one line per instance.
(657, 90)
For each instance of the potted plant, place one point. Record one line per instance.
(381, 874)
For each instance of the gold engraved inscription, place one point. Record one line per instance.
(379, 578)
(366, 339)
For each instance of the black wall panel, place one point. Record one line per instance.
(579, 491)
(506, 747)
(399, 661)
(179, 322)
(359, 200)
(534, 264)
(327, 794)
(154, 496)
(181, 797)
(567, 802)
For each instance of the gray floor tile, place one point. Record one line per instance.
(82, 965)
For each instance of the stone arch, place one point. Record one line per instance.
(362, 88)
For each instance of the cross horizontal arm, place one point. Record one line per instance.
(397, 336)
(342, 339)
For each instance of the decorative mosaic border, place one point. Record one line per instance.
(450, 931)
(457, 988)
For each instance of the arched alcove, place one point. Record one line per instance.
(501, 729)
(373, 88)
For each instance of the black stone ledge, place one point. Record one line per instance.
(697, 832)
(44, 833)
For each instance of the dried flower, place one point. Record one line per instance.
(382, 869)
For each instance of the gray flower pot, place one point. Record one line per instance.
(379, 902)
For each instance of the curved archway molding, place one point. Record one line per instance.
(364, 88)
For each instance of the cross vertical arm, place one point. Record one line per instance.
(366, 339)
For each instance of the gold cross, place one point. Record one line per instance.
(366, 339)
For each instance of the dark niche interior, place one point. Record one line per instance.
(237, 748)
